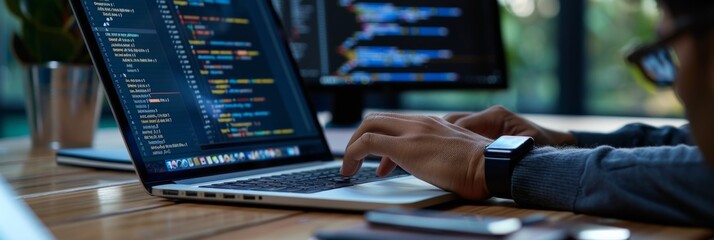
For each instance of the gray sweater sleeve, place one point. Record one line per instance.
(636, 135)
(669, 184)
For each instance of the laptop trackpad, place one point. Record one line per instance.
(405, 187)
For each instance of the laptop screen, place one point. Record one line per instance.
(202, 83)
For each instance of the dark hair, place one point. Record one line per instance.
(697, 10)
(681, 8)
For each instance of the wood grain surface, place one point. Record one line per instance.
(85, 203)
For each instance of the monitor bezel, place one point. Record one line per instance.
(153, 179)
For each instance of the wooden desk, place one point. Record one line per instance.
(80, 203)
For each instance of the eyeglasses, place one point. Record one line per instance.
(659, 64)
(657, 61)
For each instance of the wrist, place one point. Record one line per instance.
(475, 186)
(480, 177)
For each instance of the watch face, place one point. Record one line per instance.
(509, 142)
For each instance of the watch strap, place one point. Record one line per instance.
(500, 158)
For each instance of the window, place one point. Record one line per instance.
(611, 86)
(12, 119)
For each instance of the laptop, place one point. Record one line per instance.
(211, 107)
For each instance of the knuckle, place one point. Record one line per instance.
(501, 110)
(374, 114)
(367, 139)
(372, 117)
(435, 118)
(429, 120)
(451, 117)
(425, 125)
(462, 122)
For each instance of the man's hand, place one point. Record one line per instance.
(497, 121)
(430, 148)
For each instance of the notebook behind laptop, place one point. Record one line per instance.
(211, 107)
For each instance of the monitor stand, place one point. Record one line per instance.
(347, 107)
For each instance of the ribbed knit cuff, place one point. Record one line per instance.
(548, 178)
(630, 135)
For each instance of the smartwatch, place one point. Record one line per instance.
(500, 157)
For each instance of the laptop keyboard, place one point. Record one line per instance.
(308, 181)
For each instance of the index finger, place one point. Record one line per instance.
(383, 123)
(366, 144)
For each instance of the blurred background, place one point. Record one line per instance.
(564, 56)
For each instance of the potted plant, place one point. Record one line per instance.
(48, 33)
(61, 89)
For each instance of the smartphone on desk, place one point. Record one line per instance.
(430, 224)
(516, 228)
(441, 221)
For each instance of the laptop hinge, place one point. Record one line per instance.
(247, 173)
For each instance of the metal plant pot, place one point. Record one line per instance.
(63, 103)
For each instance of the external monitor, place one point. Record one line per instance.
(349, 46)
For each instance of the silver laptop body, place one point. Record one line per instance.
(405, 191)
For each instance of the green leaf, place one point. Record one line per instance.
(20, 50)
(47, 33)
(14, 7)
(80, 54)
(29, 38)
(49, 43)
(45, 12)
(82, 57)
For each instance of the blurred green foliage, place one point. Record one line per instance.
(529, 30)
(614, 26)
(48, 32)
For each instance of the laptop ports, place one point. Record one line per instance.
(229, 196)
(209, 195)
(249, 197)
(191, 194)
(171, 192)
